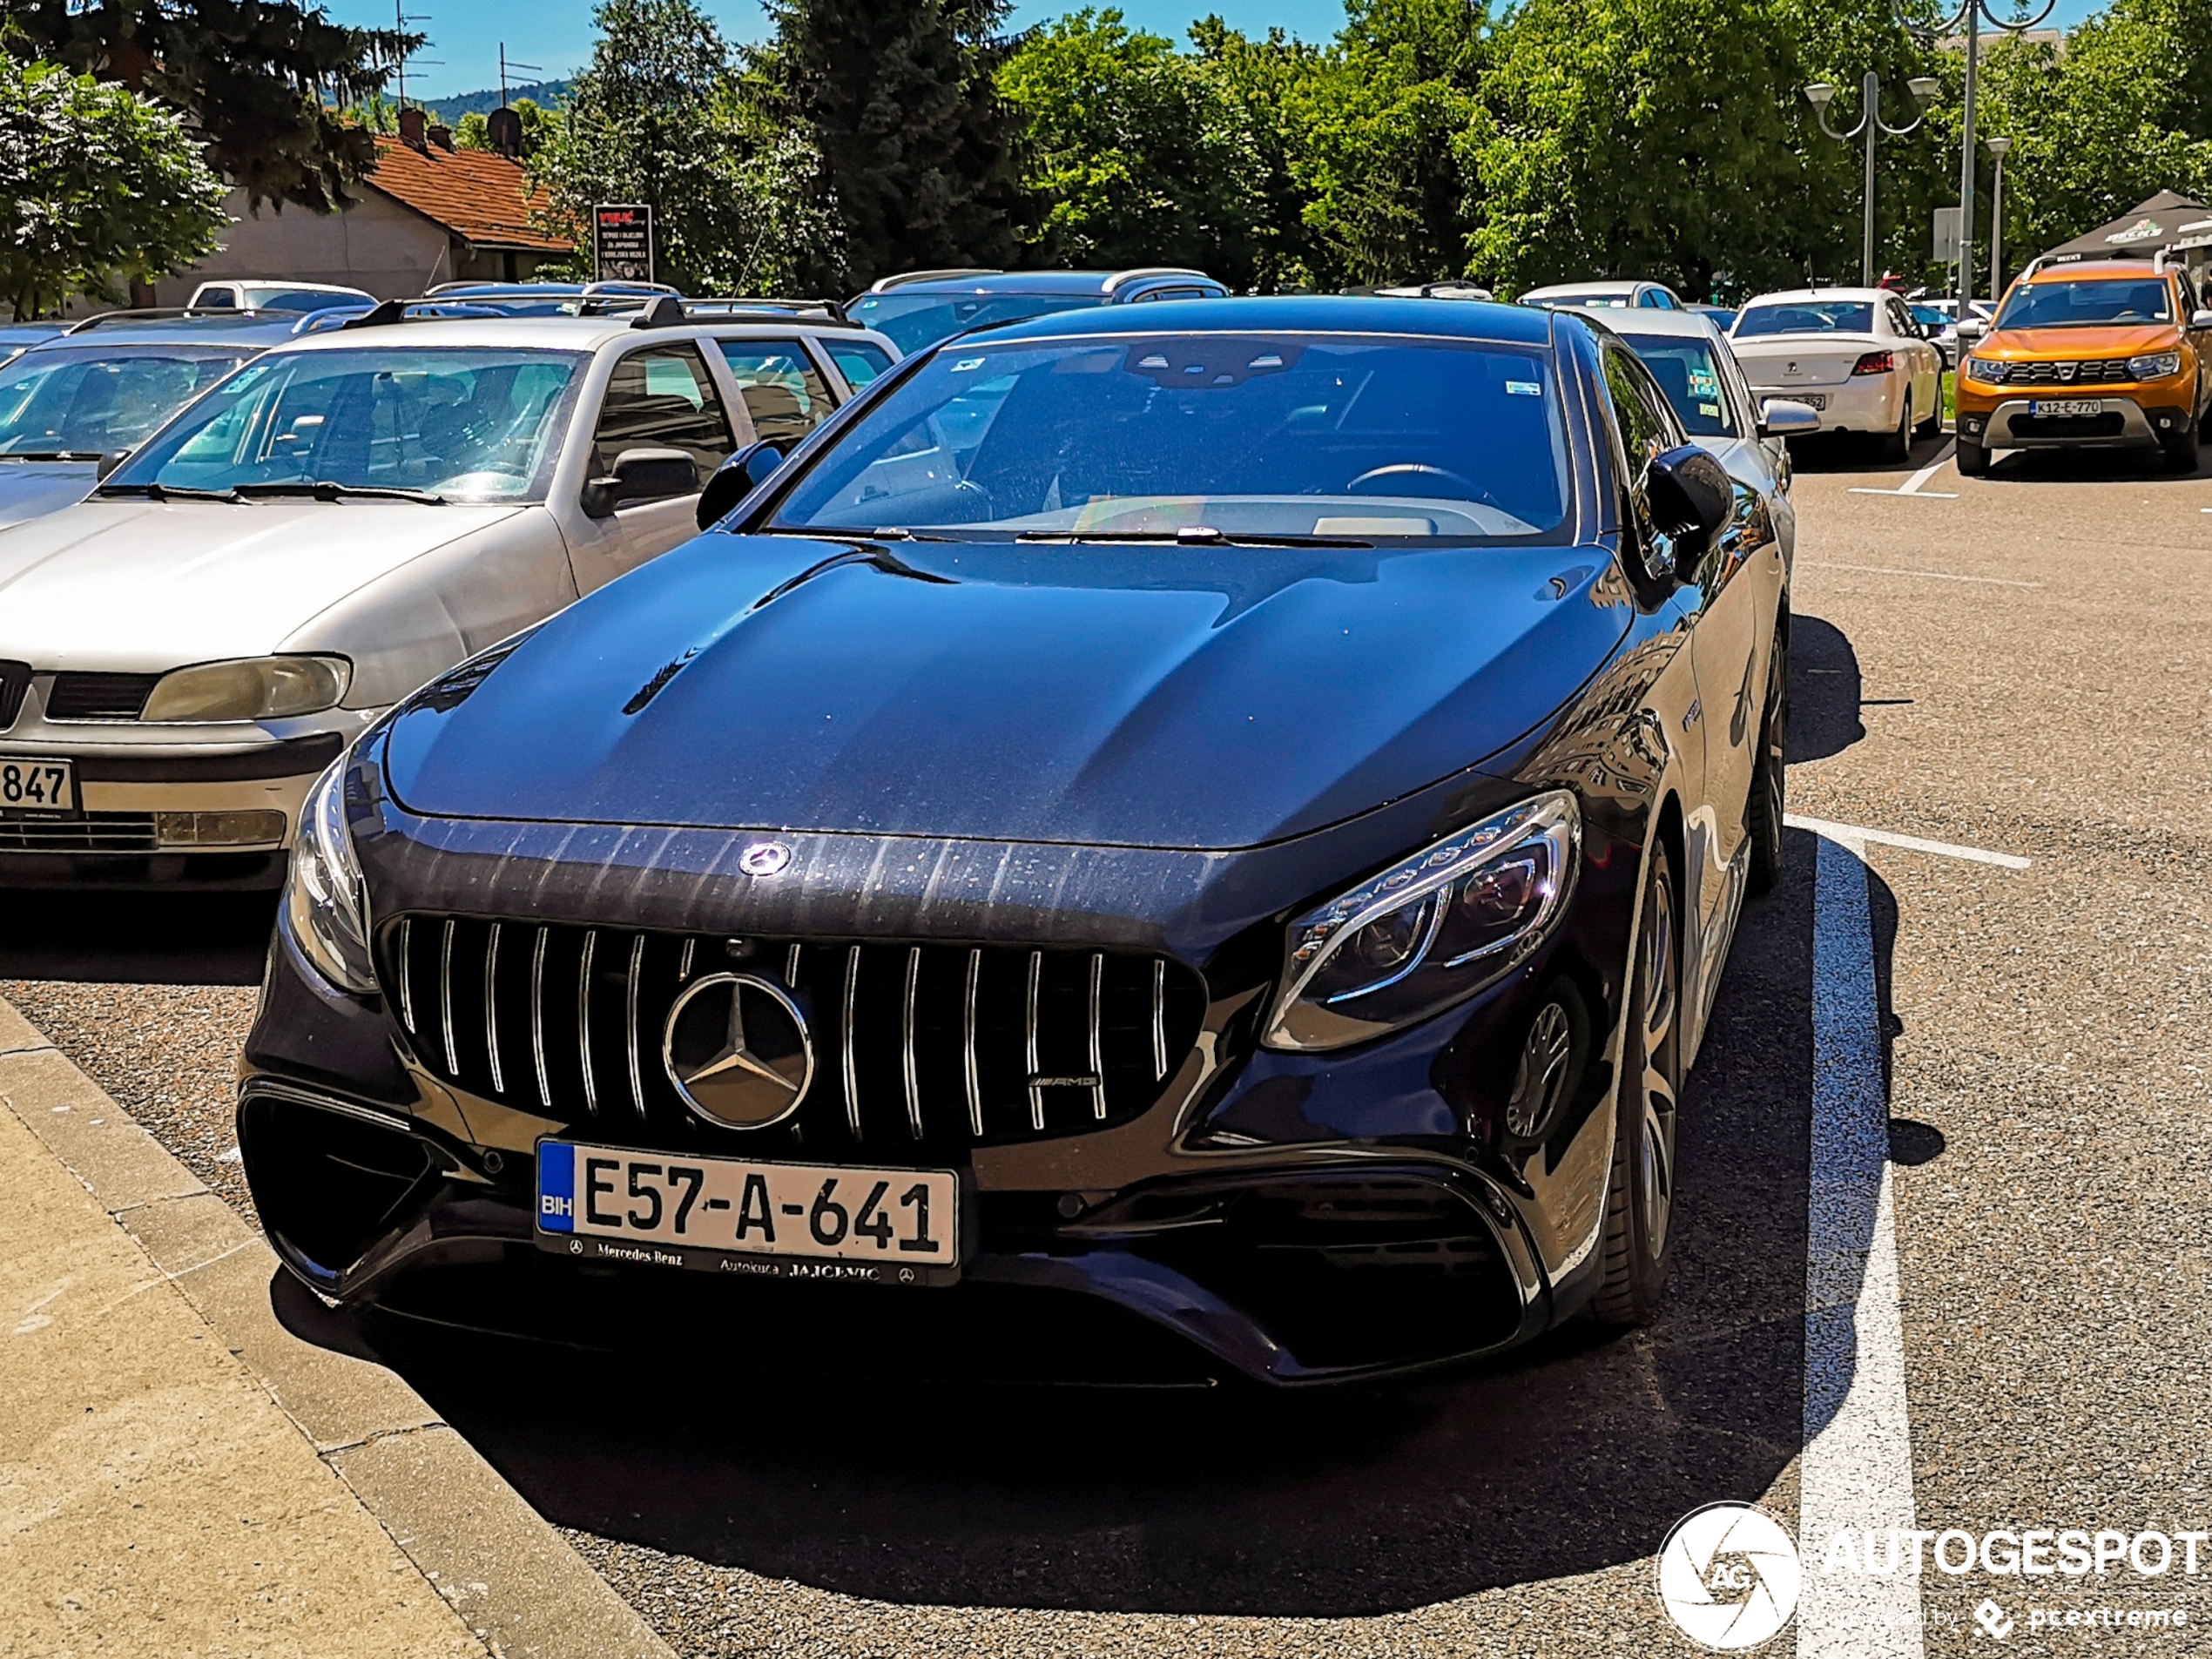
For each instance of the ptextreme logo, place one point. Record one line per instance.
(1729, 1576)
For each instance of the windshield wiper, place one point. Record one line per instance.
(169, 492)
(50, 455)
(1193, 536)
(887, 534)
(327, 489)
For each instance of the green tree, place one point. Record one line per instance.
(660, 117)
(900, 98)
(261, 81)
(100, 186)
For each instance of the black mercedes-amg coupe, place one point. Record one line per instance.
(1236, 808)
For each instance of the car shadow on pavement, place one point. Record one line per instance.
(840, 1460)
(2091, 466)
(1858, 452)
(142, 938)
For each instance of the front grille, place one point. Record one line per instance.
(2107, 425)
(15, 680)
(2096, 371)
(99, 696)
(920, 1050)
(94, 833)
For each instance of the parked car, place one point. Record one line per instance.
(1607, 296)
(19, 337)
(1689, 355)
(545, 299)
(1450, 289)
(1853, 355)
(82, 400)
(275, 294)
(919, 308)
(1215, 814)
(2094, 354)
(348, 515)
(1723, 316)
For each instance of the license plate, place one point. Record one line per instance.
(729, 1216)
(36, 785)
(1811, 399)
(2062, 406)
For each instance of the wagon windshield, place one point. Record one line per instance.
(1341, 438)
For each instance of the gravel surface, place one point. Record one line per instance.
(2026, 668)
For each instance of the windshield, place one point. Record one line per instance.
(461, 424)
(305, 299)
(1607, 301)
(1807, 317)
(1691, 380)
(1270, 437)
(95, 400)
(2107, 300)
(916, 321)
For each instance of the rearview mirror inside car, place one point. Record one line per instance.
(1692, 499)
(736, 478)
(642, 475)
(1779, 416)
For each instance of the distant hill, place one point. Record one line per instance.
(450, 110)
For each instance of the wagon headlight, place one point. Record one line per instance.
(1987, 370)
(251, 688)
(1429, 931)
(2155, 365)
(323, 896)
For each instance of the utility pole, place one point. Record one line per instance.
(1970, 16)
(1997, 148)
(1820, 94)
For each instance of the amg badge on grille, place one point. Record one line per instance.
(736, 1049)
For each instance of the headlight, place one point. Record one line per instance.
(1429, 931)
(322, 893)
(1986, 370)
(252, 688)
(2155, 365)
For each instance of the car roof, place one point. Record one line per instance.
(568, 333)
(220, 327)
(1799, 296)
(1333, 313)
(1650, 320)
(1610, 287)
(1056, 282)
(280, 282)
(2095, 269)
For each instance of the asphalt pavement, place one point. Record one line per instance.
(2018, 665)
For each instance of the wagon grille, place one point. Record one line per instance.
(920, 1048)
(94, 833)
(2096, 371)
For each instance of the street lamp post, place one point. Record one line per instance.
(1820, 94)
(1969, 18)
(1997, 148)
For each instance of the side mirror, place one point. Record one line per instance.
(2201, 319)
(736, 478)
(110, 462)
(1970, 330)
(642, 475)
(1692, 499)
(1779, 416)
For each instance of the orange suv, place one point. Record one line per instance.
(2106, 354)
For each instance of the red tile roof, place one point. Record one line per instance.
(474, 192)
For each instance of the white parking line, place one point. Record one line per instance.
(1855, 835)
(1855, 1470)
(1933, 575)
(1918, 481)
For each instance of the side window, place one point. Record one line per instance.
(1646, 428)
(661, 398)
(858, 361)
(783, 393)
(1901, 321)
(2189, 301)
(217, 298)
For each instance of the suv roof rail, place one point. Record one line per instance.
(667, 311)
(719, 305)
(178, 314)
(1139, 273)
(883, 285)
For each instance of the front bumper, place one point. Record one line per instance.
(2124, 423)
(1864, 403)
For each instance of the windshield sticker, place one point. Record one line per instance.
(1524, 388)
(966, 364)
(1703, 383)
(1710, 411)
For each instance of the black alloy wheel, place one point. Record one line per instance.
(1763, 810)
(1972, 458)
(1639, 1197)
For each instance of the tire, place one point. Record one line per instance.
(2182, 450)
(1639, 1189)
(1972, 459)
(1762, 813)
(1898, 445)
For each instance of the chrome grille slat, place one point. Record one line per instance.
(406, 975)
(907, 1043)
(791, 968)
(1097, 1036)
(1159, 1021)
(974, 1084)
(683, 967)
(848, 1042)
(584, 1024)
(537, 1017)
(1029, 1043)
(630, 1012)
(445, 997)
(491, 1009)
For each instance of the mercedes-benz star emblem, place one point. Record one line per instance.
(736, 1049)
(765, 858)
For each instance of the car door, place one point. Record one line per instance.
(658, 396)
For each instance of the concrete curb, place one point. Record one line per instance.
(512, 1578)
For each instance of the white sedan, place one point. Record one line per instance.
(1855, 356)
(345, 518)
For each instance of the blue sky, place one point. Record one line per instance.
(466, 33)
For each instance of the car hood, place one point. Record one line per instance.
(34, 488)
(2080, 340)
(141, 586)
(1127, 696)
